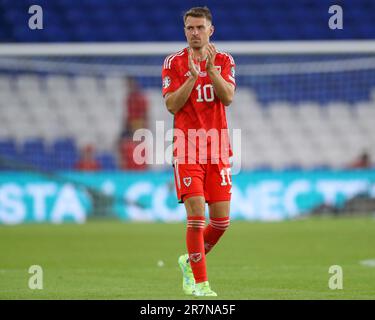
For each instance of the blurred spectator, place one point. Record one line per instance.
(87, 161)
(127, 162)
(362, 162)
(136, 105)
(136, 110)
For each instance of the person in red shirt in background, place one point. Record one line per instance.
(127, 161)
(87, 161)
(362, 162)
(136, 104)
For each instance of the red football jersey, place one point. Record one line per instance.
(203, 115)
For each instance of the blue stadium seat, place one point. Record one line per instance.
(8, 153)
(33, 146)
(33, 153)
(8, 145)
(263, 167)
(64, 153)
(321, 167)
(292, 167)
(283, 20)
(107, 161)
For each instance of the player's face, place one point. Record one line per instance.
(198, 31)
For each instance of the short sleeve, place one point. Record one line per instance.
(171, 81)
(229, 69)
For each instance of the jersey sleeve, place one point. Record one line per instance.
(229, 69)
(170, 77)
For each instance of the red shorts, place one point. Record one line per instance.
(212, 181)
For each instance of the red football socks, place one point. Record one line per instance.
(195, 247)
(214, 231)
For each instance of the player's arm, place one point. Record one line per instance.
(177, 99)
(223, 89)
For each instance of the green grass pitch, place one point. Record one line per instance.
(114, 260)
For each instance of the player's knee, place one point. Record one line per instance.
(196, 210)
(195, 206)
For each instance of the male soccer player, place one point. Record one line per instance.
(198, 82)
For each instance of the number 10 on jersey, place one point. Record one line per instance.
(205, 93)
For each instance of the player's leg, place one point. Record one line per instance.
(218, 224)
(218, 186)
(189, 185)
(195, 206)
(195, 209)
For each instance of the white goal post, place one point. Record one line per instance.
(164, 48)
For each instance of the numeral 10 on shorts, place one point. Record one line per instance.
(225, 176)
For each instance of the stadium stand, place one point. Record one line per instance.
(112, 20)
(280, 134)
(50, 108)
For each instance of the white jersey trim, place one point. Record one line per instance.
(228, 55)
(168, 60)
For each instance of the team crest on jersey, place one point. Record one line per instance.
(187, 181)
(195, 257)
(166, 82)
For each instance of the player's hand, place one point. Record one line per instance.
(194, 69)
(211, 54)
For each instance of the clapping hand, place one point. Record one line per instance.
(194, 68)
(211, 54)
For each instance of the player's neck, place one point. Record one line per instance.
(200, 53)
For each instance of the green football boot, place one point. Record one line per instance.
(203, 289)
(188, 282)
